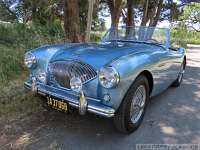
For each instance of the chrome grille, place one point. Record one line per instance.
(63, 71)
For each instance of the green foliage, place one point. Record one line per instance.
(40, 12)
(96, 36)
(6, 14)
(11, 63)
(21, 35)
(15, 39)
(182, 37)
(190, 16)
(97, 23)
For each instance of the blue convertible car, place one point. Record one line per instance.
(113, 78)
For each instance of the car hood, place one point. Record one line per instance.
(98, 55)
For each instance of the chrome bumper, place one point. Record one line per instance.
(94, 105)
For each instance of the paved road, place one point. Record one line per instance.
(172, 117)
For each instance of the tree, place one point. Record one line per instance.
(145, 13)
(151, 12)
(89, 19)
(191, 16)
(95, 23)
(72, 21)
(115, 7)
(130, 14)
(6, 14)
(40, 12)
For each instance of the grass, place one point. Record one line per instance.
(15, 40)
(17, 109)
(11, 63)
(16, 104)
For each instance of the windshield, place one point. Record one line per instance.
(138, 34)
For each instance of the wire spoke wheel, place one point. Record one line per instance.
(182, 71)
(138, 103)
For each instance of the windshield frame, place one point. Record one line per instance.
(166, 44)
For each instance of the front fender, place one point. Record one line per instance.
(129, 67)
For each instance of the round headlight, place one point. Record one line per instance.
(108, 77)
(30, 60)
(76, 84)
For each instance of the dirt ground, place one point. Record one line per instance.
(173, 117)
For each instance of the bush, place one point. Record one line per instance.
(15, 39)
(30, 36)
(11, 63)
(96, 36)
(183, 36)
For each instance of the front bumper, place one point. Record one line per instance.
(94, 105)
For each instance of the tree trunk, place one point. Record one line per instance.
(154, 19)
(72, 21)
(157, 16)
(130, 23)
(89, 19)
(130, 13)
(145, 13)
(115, 7)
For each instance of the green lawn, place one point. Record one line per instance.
(11, 63)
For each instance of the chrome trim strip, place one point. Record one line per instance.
(94, 106)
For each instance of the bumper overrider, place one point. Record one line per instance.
(75, 100)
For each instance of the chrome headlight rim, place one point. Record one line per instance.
(30, 60)
(76, 84)
(116, 76)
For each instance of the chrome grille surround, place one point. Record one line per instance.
(62, 71)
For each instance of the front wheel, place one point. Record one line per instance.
(131, 112)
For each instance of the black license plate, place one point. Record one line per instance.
(57, 104)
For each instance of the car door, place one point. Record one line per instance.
(165, 69)
(174, 60)
(160, 71)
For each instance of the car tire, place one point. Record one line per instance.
(179, 79)
(123, 120)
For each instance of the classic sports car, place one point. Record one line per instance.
(112, 78)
